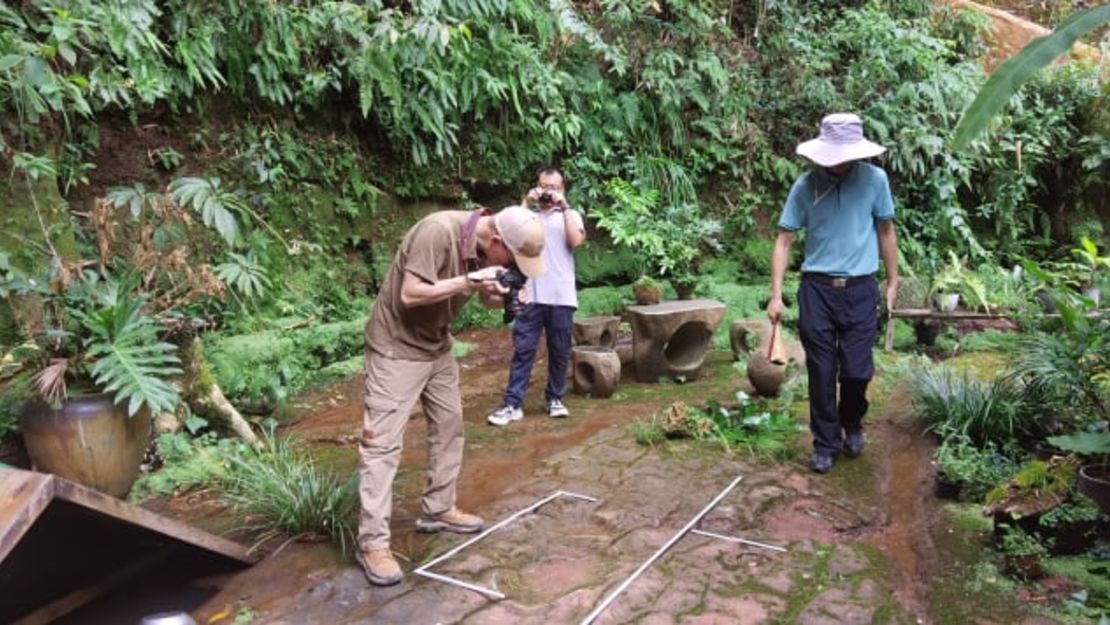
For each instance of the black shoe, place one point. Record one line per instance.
(853, 444)
(820, 462)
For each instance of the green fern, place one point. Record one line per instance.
(244, 274)
(128, 358)
(215, 205)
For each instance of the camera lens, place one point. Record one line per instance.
(545, 197)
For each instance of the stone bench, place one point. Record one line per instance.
(671, 339)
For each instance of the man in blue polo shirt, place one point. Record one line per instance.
(845, 207)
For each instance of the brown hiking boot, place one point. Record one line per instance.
(454, 520)
(380, 567)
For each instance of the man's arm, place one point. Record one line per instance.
(415, 292)
(780, 257)
(575, 228)
(888, 249)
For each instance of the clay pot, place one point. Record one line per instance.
(766, 377)
(89, 440)
(647, 294)
(1094, 482)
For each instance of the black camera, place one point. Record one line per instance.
(513, 280)
(545, 198)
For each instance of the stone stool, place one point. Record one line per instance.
(672, 338)
(597, 331)
(744, 335)
(596, 370)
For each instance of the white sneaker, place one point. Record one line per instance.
(556, 408)
(505, 415)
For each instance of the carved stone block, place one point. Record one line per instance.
(597, 370)
(672, 338)
(600, 331)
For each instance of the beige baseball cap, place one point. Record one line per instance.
(523, 233)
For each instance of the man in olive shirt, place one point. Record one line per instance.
(443, 260)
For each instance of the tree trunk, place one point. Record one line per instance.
(199, 389)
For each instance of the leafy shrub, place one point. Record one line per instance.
(263, 368)
(758, 426)
(187, 463)
(598, 264)
(475, 315)
(606, 300)
(753, 258)
(976, 469)
(957, 404)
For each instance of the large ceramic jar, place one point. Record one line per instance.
(89, 440)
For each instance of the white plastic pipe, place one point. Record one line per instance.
(423, 570)
(737, 540)
(655, 556)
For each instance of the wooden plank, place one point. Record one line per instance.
(115, 508)
(23, 497)
(936, 315)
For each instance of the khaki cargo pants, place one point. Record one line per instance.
(392, 389)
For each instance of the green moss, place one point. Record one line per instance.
(1091, 574)
(967, 518)
(21, 235)
(335, 459)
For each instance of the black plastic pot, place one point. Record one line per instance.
(926, 333)
(1094, 482)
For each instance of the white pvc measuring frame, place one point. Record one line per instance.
(682, 532)
(423, 570)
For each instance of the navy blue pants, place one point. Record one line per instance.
(557, 323)
(838, 326)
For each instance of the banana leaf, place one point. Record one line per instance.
(1008, 78)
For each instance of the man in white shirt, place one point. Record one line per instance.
(552, 300)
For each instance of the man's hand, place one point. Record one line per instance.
(891, 293)
(774, 309)
(485, 280)
(558, 200)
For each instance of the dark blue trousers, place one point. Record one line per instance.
(557, 323)
(838, 326)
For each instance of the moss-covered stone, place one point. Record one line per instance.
(23, 238)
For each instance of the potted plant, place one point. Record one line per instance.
(953, 281)
(1093, 479)
(684, 283)
(647, 291)
(100, 370)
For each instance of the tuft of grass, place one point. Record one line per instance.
(984, 411)
(282, 491)
(648, 431)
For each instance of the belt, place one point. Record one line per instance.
(839, 282)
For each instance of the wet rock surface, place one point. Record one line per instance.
(557, 564)
(858, 540)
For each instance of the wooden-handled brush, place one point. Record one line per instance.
(776, 353)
